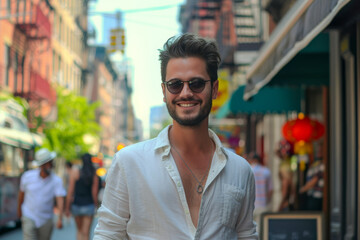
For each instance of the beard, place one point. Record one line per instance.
(189, 120)
(47, 171)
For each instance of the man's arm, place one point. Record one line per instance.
(269, 188)
(285, 189)
(74, 174)
(60, 193)
(21, 197)
(95, 190)
(246, 227)
(309, 185)
(114, 212)
(60, 207)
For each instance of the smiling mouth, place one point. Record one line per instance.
(187, 104)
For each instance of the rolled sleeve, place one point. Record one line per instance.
(114, 211)
(59, 188)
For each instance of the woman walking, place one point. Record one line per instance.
(82, 196)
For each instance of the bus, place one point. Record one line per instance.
(17, 147)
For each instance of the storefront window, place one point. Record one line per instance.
(11, 160)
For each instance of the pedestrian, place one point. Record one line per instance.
(82, 196)
(68, 167)
(38, 188)
(314, 186)
(264, 187)
(183, 184)
(286, 176)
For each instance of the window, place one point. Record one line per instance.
(10, 165)
(55, 24)
(60, 28)
(9, 6)
(60, 76)
(16, 64)
(7, 64)
(53, 62)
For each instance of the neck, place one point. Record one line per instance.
(194, 137)
(196, 148)
(43, 173)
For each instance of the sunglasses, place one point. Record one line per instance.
(196, 85)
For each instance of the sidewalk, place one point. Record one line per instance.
(67, 232)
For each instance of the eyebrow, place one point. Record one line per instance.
(191, 79)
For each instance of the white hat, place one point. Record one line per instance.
(43, 156)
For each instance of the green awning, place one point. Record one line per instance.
(268, 100)
(223, 111)
(304, 21)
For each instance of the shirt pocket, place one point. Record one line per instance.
(232, 199)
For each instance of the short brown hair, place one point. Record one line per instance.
(191, 45)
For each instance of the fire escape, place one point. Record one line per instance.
(32, 37)
(249, 32)
(247, 21)
(212, 19)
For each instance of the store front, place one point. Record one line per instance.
(316, 47)
(17, 148)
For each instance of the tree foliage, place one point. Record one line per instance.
(75, 119)
(4, 96)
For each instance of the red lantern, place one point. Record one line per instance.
(320, 130)
(302, 129)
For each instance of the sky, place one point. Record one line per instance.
(146, 32)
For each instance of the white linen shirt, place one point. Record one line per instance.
(40, 192)
(144, 197)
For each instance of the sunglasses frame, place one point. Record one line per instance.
(183, 82)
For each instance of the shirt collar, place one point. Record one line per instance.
(163, 143)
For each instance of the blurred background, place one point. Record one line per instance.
(84, 76)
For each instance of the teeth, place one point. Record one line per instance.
(187, 104)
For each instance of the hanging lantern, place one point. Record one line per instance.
(320, 130)
(302, 129)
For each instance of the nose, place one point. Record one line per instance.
(186, 91)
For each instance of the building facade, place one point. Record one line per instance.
(25, 50)
(308, 63)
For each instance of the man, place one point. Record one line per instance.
(38, 188)
(183, 184)
(264, 187)
(314, 186)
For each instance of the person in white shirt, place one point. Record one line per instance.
(183, 184)
(38, 188)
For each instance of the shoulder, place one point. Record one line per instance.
(55, 178)
(238, 164)
(235, 159)
(267, 172)
(238, 173)
(135, 151)
(29, 173)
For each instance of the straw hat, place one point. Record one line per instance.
(43, 156)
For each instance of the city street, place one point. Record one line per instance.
(67, 232)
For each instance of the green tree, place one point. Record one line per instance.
(76, 118)
(5, 96)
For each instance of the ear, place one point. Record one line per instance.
(215, 89)
(164, 92)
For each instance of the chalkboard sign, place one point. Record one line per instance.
(292, 226)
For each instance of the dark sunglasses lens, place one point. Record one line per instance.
(175, 86)
(197, 85)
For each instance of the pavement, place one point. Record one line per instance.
(68, 231)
